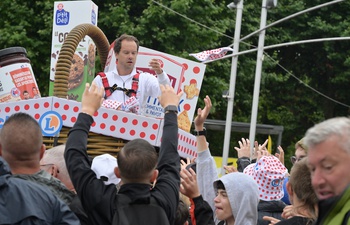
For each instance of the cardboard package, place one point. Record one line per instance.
(66, 16)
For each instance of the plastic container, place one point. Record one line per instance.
(13, 55)
(17, 80)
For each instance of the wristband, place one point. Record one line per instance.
(200, 133)
(171, 108)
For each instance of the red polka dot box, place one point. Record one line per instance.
(57, 115)
(112, 128)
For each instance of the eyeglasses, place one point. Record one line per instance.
(46, 167)
(294, 159)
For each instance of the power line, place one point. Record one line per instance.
(306, 85)
(194, 21)
(287, 71)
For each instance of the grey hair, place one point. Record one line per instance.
(338, 126)
(55, 156)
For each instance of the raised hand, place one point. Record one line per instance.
(202, 114)
(92, 99)
(184, 163)
(244, 148)
(280, 155)
(169, 96)
(155, 65)
(189, 186)
(261, 149)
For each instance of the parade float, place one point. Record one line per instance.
(73, 64)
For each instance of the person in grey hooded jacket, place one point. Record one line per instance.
(234, 197)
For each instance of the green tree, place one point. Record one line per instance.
(29, 24)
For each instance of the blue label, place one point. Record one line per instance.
(276, 182)
(93, 17)
(62, 16)
(51, 123)
(2, 121)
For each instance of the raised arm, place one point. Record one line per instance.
(93, 193)
(168, 181)
(206, 167)
(201, 212)
(162, 76)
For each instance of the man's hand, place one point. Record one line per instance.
(168, 96)
(155, 65)
(202, 114)
(92, 99)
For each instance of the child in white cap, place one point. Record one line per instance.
(103, 166)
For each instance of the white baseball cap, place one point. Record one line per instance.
(103, 166)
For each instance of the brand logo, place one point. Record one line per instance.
(51, 123)
(2, 121)
(93, 16)
(276, 182)
(62, 16)
(15, 92)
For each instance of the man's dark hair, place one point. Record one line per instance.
(118, 42)
(182, 213)
(21, 135)
(137, 160)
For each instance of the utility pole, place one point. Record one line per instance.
(238, 4)
(258, 70)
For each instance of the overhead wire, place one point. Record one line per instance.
(306, 85)
(286, 70)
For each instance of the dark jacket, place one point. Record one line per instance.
(270, 208)
(27, 203)
(60, 190)
(242, 163)
(97, 198)
(296, 220)
(201, 212)
(335, 210)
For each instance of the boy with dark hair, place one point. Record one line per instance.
(129, 165)
(182, 214)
